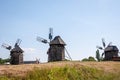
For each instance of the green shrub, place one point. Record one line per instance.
(90, 58)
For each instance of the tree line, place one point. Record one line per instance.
(3, 61)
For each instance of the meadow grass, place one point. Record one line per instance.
(66, 72)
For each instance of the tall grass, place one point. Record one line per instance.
(65, 73)
(72, 71)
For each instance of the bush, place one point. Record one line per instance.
(89, 59)
(2, 61)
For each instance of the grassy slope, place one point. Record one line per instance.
(62, 71)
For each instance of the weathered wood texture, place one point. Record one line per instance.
(16, 56)
(110, 52)
(56, 51)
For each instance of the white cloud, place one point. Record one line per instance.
(29, 50)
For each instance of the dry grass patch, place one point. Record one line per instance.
(85, 67)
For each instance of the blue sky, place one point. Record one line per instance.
(80, 23)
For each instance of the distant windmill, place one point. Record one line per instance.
(56, 52)
(37, 61)
(110, 50)
(16, 53)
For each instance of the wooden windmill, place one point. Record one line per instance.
(56, 51)
(109, 52)
(16, 54)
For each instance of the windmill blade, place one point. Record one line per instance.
(103, 42)
(109, 44)
(18, 42)
(103, 54)
(50, 33)
(6, 46)
(99, 47)
(42, 40)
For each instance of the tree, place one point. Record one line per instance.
(98, 55)
(85, 59)
(90, 58)
(2, 61)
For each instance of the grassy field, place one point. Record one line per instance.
(62, 71)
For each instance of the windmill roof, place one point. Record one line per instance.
(111, 48)
(17, 48)
(57, 40)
